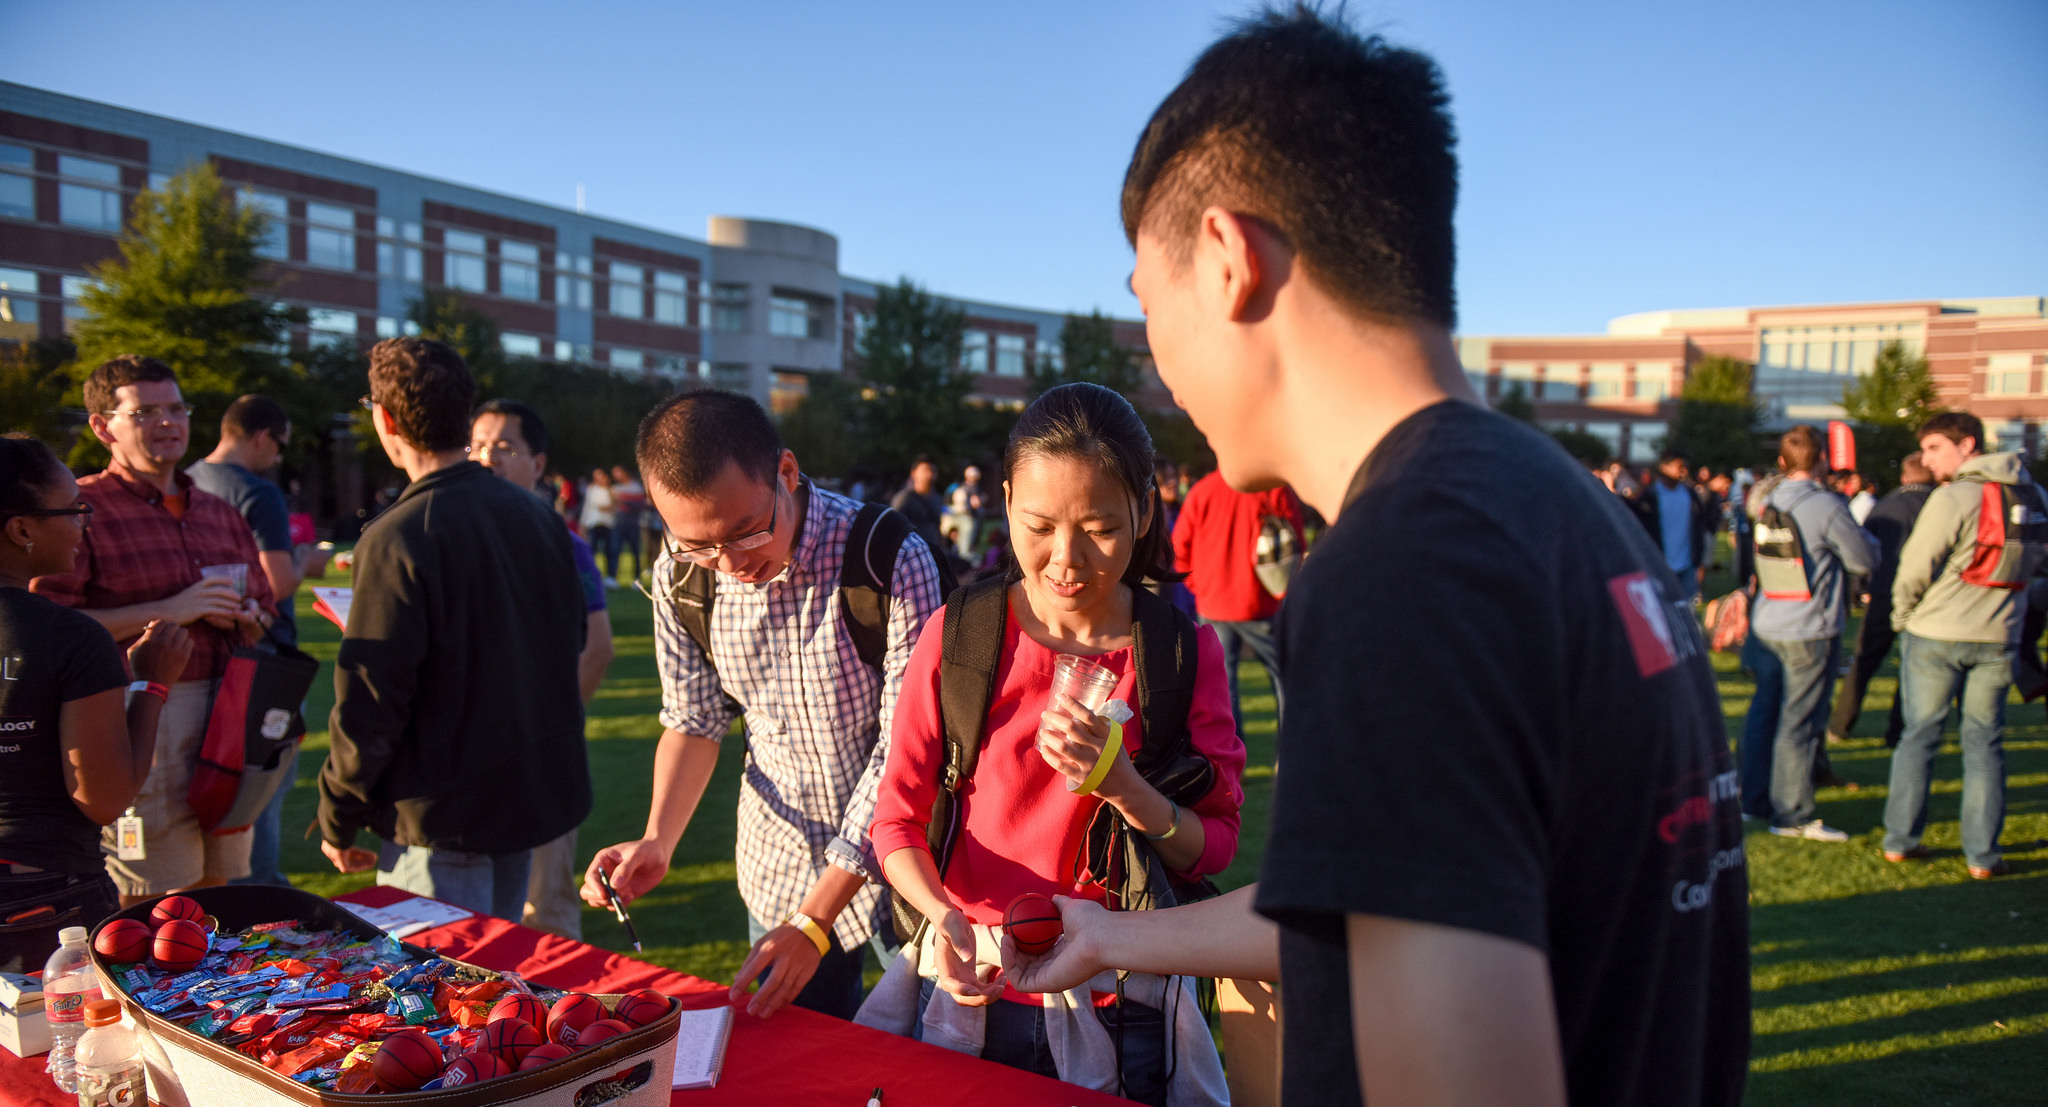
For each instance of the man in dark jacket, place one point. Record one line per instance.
(1889, 522)
(1674, 511)
(457, 729)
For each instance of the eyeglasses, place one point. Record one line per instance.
(368, 403)
(81, 509)
(491, 449)
(284, 441)
(703, 555)
(150, 413)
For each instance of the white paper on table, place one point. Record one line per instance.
(334, 603)
(409, 916)
(700, 1047)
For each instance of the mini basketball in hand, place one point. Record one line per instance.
(473, 1068)
(176, 907)
(641, 1007)
(570, 1015)
(1034, 923)
(509, 1040)
(124, 940)
(527, 1009)
(180, 944)
(406, 1060)
(544, 1054)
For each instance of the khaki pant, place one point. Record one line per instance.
(180, 854)
(553, 900)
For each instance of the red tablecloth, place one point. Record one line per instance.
(797, 1058)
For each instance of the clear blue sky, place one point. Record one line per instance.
(1617, 157)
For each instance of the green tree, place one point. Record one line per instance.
(823, 429)
(1089, 352)
(185, 291)
(910, 359)
(1514, 403)
(1585, 446)
(32, 385)
(1718, 419)
(1888, 405)
(445, 316)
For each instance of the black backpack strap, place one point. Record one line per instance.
(690, 597)
(969, 652)
(865, 570)
(1163, 650)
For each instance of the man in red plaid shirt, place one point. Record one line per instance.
(151, 535)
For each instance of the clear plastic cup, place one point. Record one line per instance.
(236, 574)
(1082, 678)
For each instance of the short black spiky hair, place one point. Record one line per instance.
(1339, 142)
(687, 440)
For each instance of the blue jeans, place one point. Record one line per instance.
(263, 839)
(1259, 636)
(1930, 670)
(486, 883)
(1802, 724)
(835, 989)
(1760, 726)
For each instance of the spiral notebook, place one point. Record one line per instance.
(700, 1047)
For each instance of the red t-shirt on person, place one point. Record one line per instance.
(1215, 542)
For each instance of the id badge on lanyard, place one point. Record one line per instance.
(128, 837)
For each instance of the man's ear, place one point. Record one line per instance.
(1227, 260)
(787, 468)
(386, 423)
(98, 423)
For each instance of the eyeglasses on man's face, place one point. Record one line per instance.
(705, 554)
(150, 413)
(81, 509)
(482, 450)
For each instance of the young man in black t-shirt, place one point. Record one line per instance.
(1506, 858)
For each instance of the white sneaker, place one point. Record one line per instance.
(1814, 831)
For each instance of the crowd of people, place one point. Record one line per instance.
(1505, 860)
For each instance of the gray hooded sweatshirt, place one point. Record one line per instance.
(1929, 596)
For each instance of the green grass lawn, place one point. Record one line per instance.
(1875, 983)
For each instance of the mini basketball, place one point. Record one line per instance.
(570, 1015)
(509, 1040)
(124, 940)
(406, 1060)
(1033, 922)
(527, 1009)
(601, 1031)
(473, 1068)
(542, 1055)
(641, 1007)
(179, 945)
(176, 907)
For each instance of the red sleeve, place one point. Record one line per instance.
(917, 748)
(1184, 530)
(1213, 732)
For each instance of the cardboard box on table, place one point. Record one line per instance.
(188, 1070)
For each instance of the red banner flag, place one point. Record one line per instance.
(1841, 445)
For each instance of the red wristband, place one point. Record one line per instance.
(151, 687)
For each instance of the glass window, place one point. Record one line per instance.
(330, 327)
(1052, 358)
(81, 205)
(1644, 440)
(789, 317)
(974, 352)
(17, 186)
(19, 311)
(671, 299)
(17, 157)
(86, 169)
(74, 296)
(787, 389)
(1555, 388)
(572, 282)
(395, 258)
(465, 260)
(276, 239)
(1518, 371)
(628, 297)
(1009, 355)
(1653, 386)
(628, 359)
(387, 327)
(519, 272)
(733, 376)
(729, 308)
(520, 345)
(578, 352)
(330, 236)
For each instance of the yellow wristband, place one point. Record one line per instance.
(811, 930)
(1104, 763)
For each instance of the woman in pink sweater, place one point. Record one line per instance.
(1083, 517)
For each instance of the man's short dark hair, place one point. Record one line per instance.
(251, 415)
(689, 438)
(426, 388)
(1800, 448)
(1954, 426)
(123, 370)
(531, 428)
(1341, 143)
(1666, 457)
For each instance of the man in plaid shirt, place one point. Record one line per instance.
(152, 532)
(817, 717)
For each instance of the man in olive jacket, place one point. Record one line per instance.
(457, 729)
(1959, 632)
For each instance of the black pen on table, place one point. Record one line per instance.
(619, 909)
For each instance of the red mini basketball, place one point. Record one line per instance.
(570, 1015)
(180, 944)
(542, 1055)
(176, 907)
(509, 1040)
(473, 1068)
(123, 940)
(641, 1007)
(406, 1060)
(1033, 922)
(518, 1005)
(601, 1031)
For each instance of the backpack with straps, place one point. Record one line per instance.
(2012, 535)
(1781, 554)
(865, 570)
(1163, 652)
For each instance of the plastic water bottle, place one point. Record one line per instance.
(69, 983)
(110, 1072)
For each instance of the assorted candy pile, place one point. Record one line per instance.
(350, 1015)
